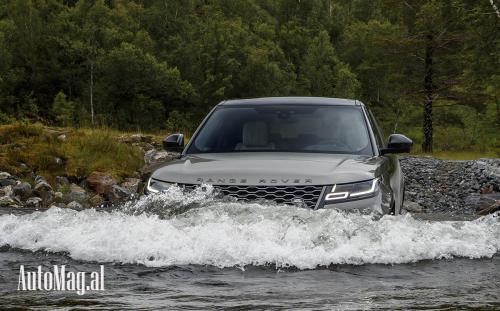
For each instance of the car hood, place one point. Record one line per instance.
(261, 168)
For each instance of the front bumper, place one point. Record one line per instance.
(380, 203)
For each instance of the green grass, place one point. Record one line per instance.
(82, 152)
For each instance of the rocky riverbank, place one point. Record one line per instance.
(98, 188)
(453, 187)
(432, 185)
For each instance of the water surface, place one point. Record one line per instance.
(196, 251)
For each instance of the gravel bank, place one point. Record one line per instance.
(454, 187)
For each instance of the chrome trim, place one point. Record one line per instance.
(149, 188)
(320, 199)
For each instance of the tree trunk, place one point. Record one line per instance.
(428, 95)
(92, 93)
(497, 105)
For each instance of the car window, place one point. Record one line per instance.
(284, 128)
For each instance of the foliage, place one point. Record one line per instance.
(62, 110)
(179, 122)
(151, 65)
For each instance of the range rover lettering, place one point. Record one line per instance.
(308, 151)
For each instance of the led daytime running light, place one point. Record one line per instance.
(334, 196)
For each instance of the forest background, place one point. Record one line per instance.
(429, 69)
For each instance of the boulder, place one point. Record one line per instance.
(41, 185)
(136, 138)
(101, 182)
(44, 190)
(487, 189)
(59, 205)
(144, 142)
(148, 156)
(58, 196)
(7, 180)
(5, 175)
(76, 193)
(488, 203)
(118, 194)
(74, 205)
(494, 207)
(34, 202)
(131, 184)
(96, 200)
(62, 180)
(6, 201)
(6, 191)
(23, 190)
(413, 207)
(154, 156)
(162, 156)
(146, 146)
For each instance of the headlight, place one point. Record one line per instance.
(155, 185)
(351, 192)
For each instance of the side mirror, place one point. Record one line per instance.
(398, 144)
(174, 143)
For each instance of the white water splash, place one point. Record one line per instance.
(175, 229)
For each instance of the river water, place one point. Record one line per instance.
(196, 251)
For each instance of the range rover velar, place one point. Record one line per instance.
(307, 151)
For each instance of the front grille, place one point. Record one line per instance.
(309, 195)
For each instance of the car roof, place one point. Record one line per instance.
(292, 100)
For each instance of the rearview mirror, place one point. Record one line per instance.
(174, 143)
(398, 144)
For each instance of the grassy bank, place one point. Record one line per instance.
(27, 149)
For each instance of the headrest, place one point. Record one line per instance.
(255, 134)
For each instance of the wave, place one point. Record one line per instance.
(178, 229)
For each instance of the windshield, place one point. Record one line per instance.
(284, 128)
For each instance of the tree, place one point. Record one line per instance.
(137, 90)
(438, 31)
(319, 66)
(63, 110)
(30, 78)
(346, 82)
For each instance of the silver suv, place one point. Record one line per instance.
(306, 151)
